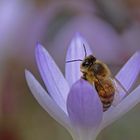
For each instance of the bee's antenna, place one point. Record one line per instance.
(79, 59)
(73, 60)
(85, 50)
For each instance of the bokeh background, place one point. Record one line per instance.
(112, 28)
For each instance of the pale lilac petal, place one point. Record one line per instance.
(120, 93)
(84, 106)
(123, 107)
(46, 101)
(130, 71)
(75, 51)
(54, 80)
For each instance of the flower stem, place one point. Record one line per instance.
(84, 138)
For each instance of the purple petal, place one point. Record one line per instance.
(46, 101)
(54, 80)
(75, 51)
(130, 71)
(84, 106)
(119, 94)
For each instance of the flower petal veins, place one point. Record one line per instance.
(75, 51)
(84, 106)
(54, 80)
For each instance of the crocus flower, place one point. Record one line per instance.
(72, 101)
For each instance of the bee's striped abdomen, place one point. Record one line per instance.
(106, 93)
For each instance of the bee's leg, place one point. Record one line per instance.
(84, 76)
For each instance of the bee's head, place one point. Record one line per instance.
(91, 64)
(87, 63)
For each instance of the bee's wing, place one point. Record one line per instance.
(120, 92)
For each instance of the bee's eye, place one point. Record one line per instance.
(86, 64)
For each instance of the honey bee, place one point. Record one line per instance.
(98, 74)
